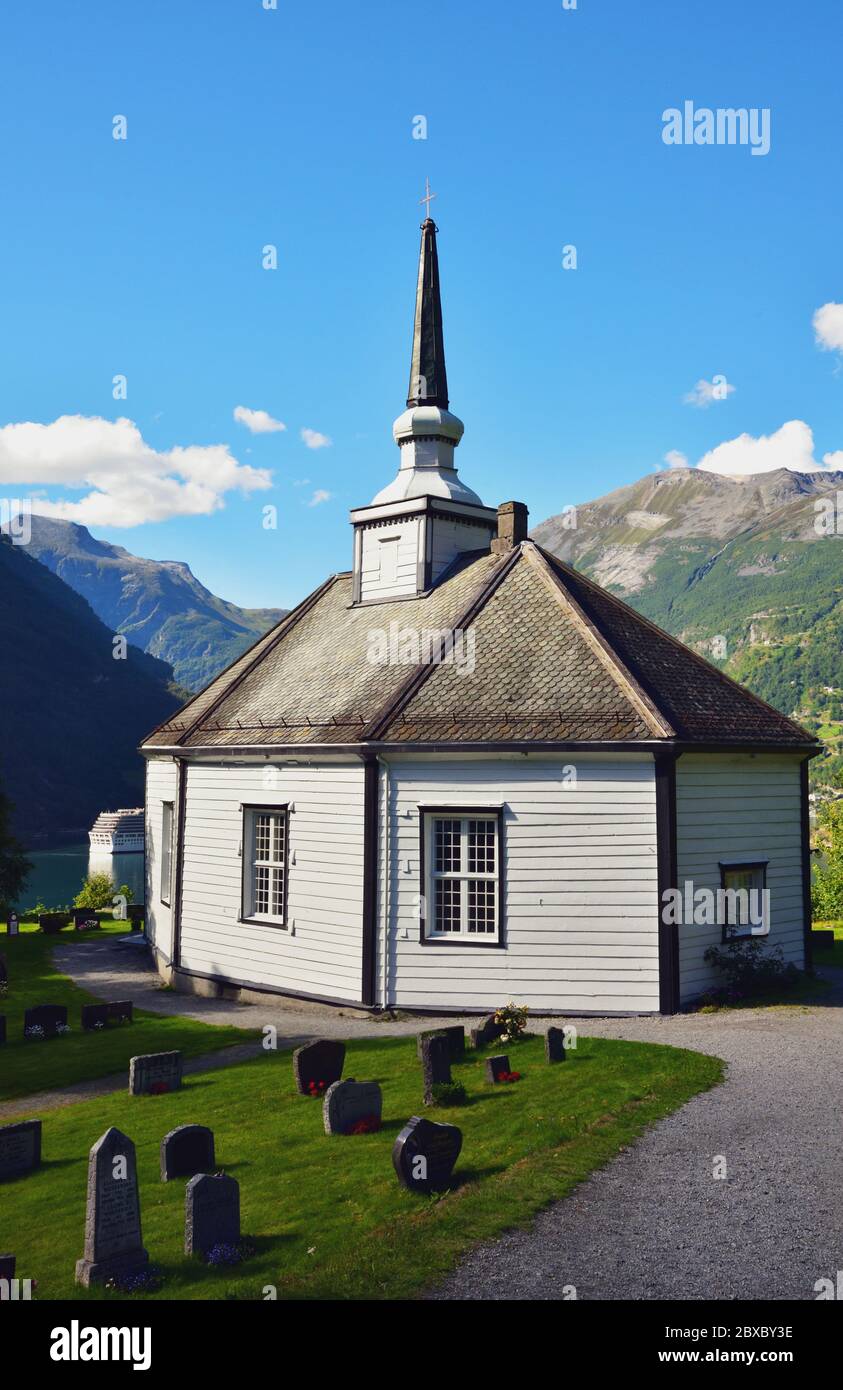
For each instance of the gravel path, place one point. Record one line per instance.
(655, 1224)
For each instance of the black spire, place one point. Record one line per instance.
(428, 379)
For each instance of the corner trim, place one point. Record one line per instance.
(175, 910)
(371, 781)
(807, 910)
(665, 770)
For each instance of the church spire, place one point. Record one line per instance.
(428, 378)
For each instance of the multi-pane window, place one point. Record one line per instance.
(463, 878)
(166, 850)
(745, 901)
(266, 851)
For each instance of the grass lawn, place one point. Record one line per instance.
(27, 1066)
(830, 955)
(326, 1216)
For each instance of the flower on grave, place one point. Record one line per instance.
(317, 1088)
(510, 1076)
(158, 1088)
(35, 1030)
(368, 1124)
(63, 1028)
(99, 1023)
(223, 1254)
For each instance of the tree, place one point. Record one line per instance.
(97, 891)
(827, 888)
(14, 865)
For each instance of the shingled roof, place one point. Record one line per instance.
(547, 656)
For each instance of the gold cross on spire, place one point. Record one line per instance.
(428, 197)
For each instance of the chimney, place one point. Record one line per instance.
(512, 527)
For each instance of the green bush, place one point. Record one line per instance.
(449, 1093)
(749, 970)
(827, 886)
(97, 891)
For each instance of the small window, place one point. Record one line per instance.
(388, 556)
(463, 888)
(744, 908)
(265, 865)
(166, 851)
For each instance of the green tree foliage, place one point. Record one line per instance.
(97, 891)
(827, 887)
(14, 866)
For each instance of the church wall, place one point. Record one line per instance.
(581, 890)
(451, 538)
(320, 953)
(161, 786)
(738, 806)
(390, 559)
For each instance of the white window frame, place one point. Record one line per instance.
(464, 936)
(277, 867)
(168, 821)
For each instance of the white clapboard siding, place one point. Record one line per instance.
(390, 559)
(581, 886)
(731, 806)
(323, 955)
(449, 539)
(161, 786)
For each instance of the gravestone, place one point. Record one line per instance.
(823, 937)
(348, 1102)
(455, 1036)
(488, 1032)
(2, 1028)
(424, 1155)
(113, 1242)
(121, 1011)
(186, 1151)
(155, 1073)
(50, 1017)
(7, 1266)
(20, 1148)
(436, 1064)
(496, 1067)
(136, 913)
(94, 1016)
(4, 974)
(52, 922)
(212, 1213)
(13, 926)
(85, 919)
(554, 1045)
(322, 1060)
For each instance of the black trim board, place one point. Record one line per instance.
(665, 769)
(805, 819)
(371, 787)
(175, 910)
(490, 812)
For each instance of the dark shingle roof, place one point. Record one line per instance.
(548, 656)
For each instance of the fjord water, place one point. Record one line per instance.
(58, 874)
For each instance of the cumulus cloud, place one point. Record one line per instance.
(314, 440)
(705, 393)
(319, 496)
(674, 459)
(257, 421)
(828, 327)
(127, 482)
(792, 447)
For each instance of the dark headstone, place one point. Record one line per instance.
(121, 1011)
(322, 1060)
(7, 1266)
(154, 1073)
(4, 974)
(20, 1148)
(52, 922)
(94, 1016)
(487, 1032)
(50, 1017)
(346, 1103)
(186, 1151)
(436, 1064)
(2, 1028)
(496, 1067)
(212, 1213)
(455, 1036)
(554, 1045)
(424, 1155)
(85, 919)
(113, 1242)
(13, 926)
(136, 913)
(822, 937)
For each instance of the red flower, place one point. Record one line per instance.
(369, 1124)
(159, 1088)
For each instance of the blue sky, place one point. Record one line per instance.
(294, 127)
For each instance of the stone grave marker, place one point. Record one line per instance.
(212, 1213)
(136, 913)
(85, 919)
(4, 974)
(7, 1266)
(554, 1045)
(155, 1073)
(50, 1017)
(436, 1064)
(186, 1151)
(121, 1011)
(94, 1016)
(348, 1102)
(51, 923)
(113, 1242)
(455, 1036)
(2, 1029)
(20, 1148)
(322, 1060)
(488, 1032)
(424, 1155)
(496, 1067)
(13, 925)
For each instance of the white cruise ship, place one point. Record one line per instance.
(118, 832)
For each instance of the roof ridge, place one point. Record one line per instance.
(636, 693)
(681, 646)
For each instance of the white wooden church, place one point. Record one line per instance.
(461, 773)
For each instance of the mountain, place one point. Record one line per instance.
(71, 716)
(159, 605)
(742, 568)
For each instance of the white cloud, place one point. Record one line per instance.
(674, 459)
(705, 393)
(319, 496)
(128, 481)
(314, 440)
(828, 327)
(792, 447)
(257, 421)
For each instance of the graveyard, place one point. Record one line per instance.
(324, 1212)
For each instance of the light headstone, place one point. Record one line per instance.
(113, 1242)
(319, 1061)
(20, 1148)
(424, 1155)
(348, 1103)
(13, 925)
(186, 1151)
(155, 1073)
(212, 1213)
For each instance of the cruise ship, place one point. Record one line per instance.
(118, 832)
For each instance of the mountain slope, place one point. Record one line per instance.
(71, 716)
(159, 605)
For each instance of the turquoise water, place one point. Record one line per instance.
(58, 874)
